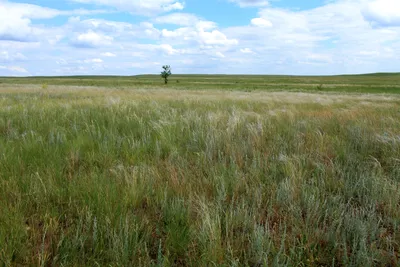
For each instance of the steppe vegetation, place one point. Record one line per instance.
(200, 173)
(368, 83)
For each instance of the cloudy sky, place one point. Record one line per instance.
(128, 37)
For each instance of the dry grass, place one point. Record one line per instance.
(100, 176)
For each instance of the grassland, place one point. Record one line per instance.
(369, 83)
(140, 176)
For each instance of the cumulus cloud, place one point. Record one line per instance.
(158, 49)
(340, 36)
(27, 10)
(199, 34)
(76, 24)
(168, 49)
(114, 28)
(383, 12)
(182, 19)
(91, 39)
(16, 20)
(260, 22)
(331, 35)
(216, 38)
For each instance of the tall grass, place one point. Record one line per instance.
(175, 178)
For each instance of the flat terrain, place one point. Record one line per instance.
(131, 173)
(367, 83)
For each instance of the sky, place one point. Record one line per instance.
(130, 37)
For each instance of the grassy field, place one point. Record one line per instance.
(369, 83)
(122, 174)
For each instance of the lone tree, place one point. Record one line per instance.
(166, 73)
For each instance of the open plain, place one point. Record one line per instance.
(206, 171)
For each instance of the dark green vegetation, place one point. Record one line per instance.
(150, 177)
(369, 83)
(166, 73)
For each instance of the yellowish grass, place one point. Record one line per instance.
(166, 177)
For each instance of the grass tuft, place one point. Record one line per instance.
(94, 176)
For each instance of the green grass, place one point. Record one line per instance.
(173, 177)
(369, 83)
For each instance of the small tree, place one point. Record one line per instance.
(166, 73)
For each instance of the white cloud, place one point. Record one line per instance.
(321, 58)
(199, 36)
(16, 20)
(27, 10)
(93, 60)
(220, 55)
(73, 70)
(117, 29)
(168, 49)
(142, 7)
(92, 39)
(251, 3)
(18, 69)
(145, 65)
(246, 51)
(205, 25)
(76, 24)
(13, 23)
(383, 12)
(6, 56)
(108, 54)
(186, 19)
(369, 53)
(331, 35)
(54, 39)
(216, 37)
(14, 69)
(340, 36)
(260, 22)
(182, 19)
(164, 49)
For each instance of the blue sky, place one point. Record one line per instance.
(128, 37)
